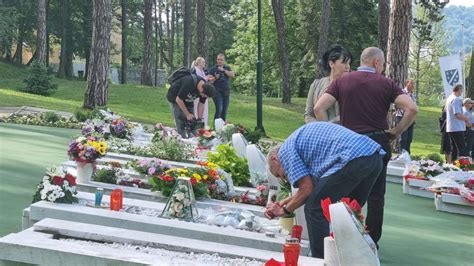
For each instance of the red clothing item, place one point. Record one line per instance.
(364, 99)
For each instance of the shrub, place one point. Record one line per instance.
(51, 117)
(435, 157)
(228, 160)
(105, 175)
(39, 81)
(83, 114)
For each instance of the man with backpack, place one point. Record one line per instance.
(185, 87)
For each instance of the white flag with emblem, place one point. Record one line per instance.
(451, 71)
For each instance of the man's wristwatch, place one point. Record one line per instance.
(287, 212)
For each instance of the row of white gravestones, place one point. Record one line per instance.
(259, 171)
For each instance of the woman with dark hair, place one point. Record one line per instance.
(336, 61)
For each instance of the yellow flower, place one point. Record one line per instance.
(197, 176)
(205, 177)
(184, 171)
(211, 165)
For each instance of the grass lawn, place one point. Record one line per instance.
(414, 232)
(149, 105)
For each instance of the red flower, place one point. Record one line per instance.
(57, 180)
(213, 173)
(201, 163)
(166, 178)
(355, 206)
(325, 206)
(201, 131)
(464, 161)
(70, 179)
(193, 181)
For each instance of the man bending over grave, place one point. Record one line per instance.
(323, 160)
(181, 96)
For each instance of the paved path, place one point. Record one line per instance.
(7, 111)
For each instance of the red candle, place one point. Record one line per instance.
(296, 231)
(116, 200)
(291, 250)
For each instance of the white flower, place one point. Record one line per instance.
(186, 202)
(43, 196)
(178, 207)
(179, 196)
(61, 194)
(51, 197)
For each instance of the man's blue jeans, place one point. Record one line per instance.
(221, 101)
(355, 181)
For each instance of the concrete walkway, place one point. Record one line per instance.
(24, 110)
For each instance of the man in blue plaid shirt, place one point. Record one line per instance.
(324, 160)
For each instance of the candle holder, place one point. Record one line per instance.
(296, 231)
(181, 204)
(116, 200)
(291, 250)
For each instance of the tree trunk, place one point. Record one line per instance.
(145, 78)
(177, 25)
(65, 58)
(187, 33)
(470, 81)
(87, 29)
(47, 33)
(157, 55)
(278, 12)
(201, 28)
(399, 41)
(159, 31)
(18, 57)
(97, 82)
(384, 21)
(171, 28)
(124, 68)
(417, 68)
(41, 32)
(323, 35)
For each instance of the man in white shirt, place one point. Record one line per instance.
(456, 123)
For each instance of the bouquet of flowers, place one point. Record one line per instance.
(203, 179)
(225, 135)
(119, 128)
(150, 167)
(465, 164)
(205, 136)
(423, 169)
(86, 149)
(94, 127)
(56, 187)
(261, 196)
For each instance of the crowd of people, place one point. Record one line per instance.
(189, 94)
(344, 147)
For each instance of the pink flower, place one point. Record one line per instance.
(142, 163)
(151, 170)
(261, 188)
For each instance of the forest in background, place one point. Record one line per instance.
(171, 33)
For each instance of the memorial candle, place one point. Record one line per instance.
(116, 199)
(291, 250)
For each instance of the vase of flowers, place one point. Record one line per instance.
(56, 186)
(181, 204)
(85, 151)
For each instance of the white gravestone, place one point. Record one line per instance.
(219, 124)
(353, 244)
(257, 165)
(240, 144)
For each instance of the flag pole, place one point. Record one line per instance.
(462, 61)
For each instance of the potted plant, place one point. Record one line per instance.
(286, 221)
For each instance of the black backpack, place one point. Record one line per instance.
(181, 72)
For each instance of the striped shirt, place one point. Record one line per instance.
(320, 149)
